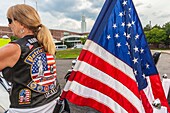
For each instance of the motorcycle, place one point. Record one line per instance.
(165, 79)
(70, 70)
(5, 88)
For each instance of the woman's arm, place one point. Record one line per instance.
(9, 55)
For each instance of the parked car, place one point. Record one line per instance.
(61, 47)
(77, 46)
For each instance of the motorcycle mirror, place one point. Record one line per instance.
(165, 76)
(157, 104)
(74, 62)
(156, 56)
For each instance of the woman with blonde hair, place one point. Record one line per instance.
(29, 63)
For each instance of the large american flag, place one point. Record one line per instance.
(115, 71)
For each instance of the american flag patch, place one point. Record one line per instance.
(43, 71)
(24, 96)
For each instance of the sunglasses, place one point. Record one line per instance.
(10, 20)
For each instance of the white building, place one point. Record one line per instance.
(83, 24)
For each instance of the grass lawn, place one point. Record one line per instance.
(61, 54)
(68, 53)
(4, 41)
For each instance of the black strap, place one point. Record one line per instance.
(59, 107)
(168, 98)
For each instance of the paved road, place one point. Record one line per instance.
(62, 67)
(163, 67)
(163, 64)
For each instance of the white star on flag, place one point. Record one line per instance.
(136, 49)
(124, 33)
(147, 66)
(121, 14)
(108, 37)
(118, 45)
(123, 24)
(124, 3)
(135, 60)
(129, 25)
(114, 25)
(136, 37)
(128, 36)
(117, 35)
(141, 50)
(143, 75)
(133, 22)
(127, 44)
(135, 72)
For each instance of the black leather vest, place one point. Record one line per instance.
(33, 77)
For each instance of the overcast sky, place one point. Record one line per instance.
(66, 14)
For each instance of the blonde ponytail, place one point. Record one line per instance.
(45, 39)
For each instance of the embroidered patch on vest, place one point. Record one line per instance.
(29, 45)
(32, 40)
(52, 92)
(43, 71)
(24, 96)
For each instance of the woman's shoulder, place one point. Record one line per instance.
(10, 54)
(11, 47)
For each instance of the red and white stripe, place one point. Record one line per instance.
(109, 83)
(50, 59)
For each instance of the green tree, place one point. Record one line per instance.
(83, 40)
(13, 38)
(166, 27)
(156, 26)
(156, 36)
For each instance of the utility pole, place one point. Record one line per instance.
(36, 5)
